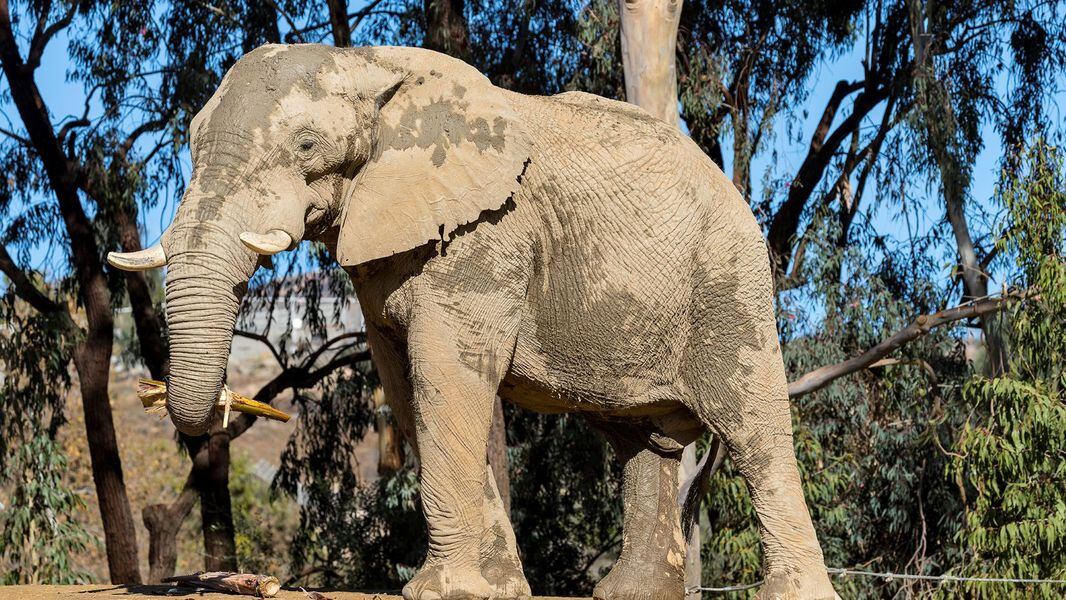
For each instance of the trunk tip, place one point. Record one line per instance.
(194, 422)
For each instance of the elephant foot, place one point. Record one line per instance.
(641, 580)
(812, 584)
(506, 579)
(447, 582)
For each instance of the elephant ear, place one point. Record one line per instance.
(448, 148)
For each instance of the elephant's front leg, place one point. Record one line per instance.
(453, 409)
(500, 563)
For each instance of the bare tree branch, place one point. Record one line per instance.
(875, 357)
(359, 336)
(42, 35)
(783, 226)
(18, 138)
(292, 378)
(69, 126)
(823, 376)
(150, 126)
(842, 90)
(25, 289)
(263, 339)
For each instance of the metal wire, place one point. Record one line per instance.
(943, 577)
(889, 576)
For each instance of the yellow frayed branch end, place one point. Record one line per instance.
(153, 395)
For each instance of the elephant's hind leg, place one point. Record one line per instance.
(652, 563)
(751, 414)
(737, 386)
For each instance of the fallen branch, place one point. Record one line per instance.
(247, 584)
(823, 376)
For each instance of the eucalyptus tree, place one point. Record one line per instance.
(46, 154)
(145, 69)
(872, 442)
(1010, 455)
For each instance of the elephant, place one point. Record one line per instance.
(568, 253)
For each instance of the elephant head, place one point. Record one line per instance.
(382, 150)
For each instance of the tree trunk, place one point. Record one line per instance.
(92, 357)
(163, 523)
(210, 475)
(338, 20)
(649, 51)
(446, 28)
(390, 446)
(260, 25)
(941, 136)
(497, 454)
(146, 320)
(975, 282)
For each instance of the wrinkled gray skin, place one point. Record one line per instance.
(570, 253)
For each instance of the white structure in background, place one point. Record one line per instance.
(287, 317)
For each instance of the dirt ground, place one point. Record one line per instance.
(112, 592)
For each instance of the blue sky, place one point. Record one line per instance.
(67, 98)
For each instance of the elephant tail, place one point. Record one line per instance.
(694, 488)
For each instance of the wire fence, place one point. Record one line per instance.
(890, 576)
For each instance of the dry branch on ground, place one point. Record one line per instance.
(247, 584)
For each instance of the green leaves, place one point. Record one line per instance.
(39, 528)
(1011, 453)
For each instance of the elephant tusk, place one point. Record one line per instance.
(268, 243)
(141, 260)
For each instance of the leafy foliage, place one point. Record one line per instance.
(335, 538)
(1011, 453)
(39, 533)
(264, 521)
(566, 501)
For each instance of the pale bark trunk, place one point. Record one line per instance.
(649, 45)
(649, 50)
(940, 128)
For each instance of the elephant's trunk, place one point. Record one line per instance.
(207, 275)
